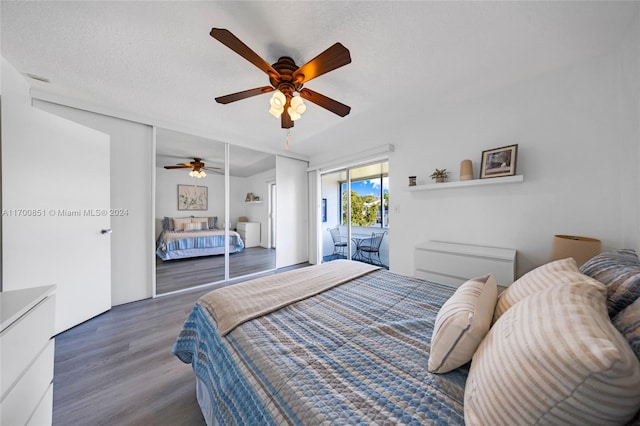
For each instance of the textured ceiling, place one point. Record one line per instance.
(157, 60)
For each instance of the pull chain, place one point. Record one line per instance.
(288, 139)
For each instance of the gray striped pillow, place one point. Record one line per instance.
(461, 324)
(551, 274)
(620, 272)
(554, 358)
(628, 323)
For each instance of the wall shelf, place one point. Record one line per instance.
(253, 202)
(465, 183)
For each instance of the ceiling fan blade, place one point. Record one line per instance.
(232, 42)
(325, 102)
(286, 120)
(334, 57)
(183, 166)
(244, 94)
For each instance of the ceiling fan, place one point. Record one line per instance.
(197, 167)
(287, 78)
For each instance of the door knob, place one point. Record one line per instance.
(106, 231)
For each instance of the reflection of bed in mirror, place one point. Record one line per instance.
(194, 237)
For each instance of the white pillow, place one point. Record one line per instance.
(203, 220)
(461, 324)
(554, 358)
(193, 226)
(551, 274)
(180, 223)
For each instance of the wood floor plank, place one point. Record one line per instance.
(117, 368)
(178, 274)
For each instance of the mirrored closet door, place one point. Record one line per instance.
(190, 211)
(252, 175)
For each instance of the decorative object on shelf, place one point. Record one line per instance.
(412, 181)
(250, 197)
(580, 248)
(499, 162)
(466, 170)
(192, 197)
(439, 175)
(256, 198)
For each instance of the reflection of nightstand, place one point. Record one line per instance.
(250, 233)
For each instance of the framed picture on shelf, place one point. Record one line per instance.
(192, 197)
(499, 162)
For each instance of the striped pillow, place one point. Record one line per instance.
(562, 271)
(620, 272)
(628, 323)
(461, 324)
(554, 358)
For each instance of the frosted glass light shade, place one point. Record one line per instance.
(278, 99)
(276, 111)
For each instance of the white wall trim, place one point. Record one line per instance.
(353, 160)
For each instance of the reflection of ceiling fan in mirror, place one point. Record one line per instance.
(286, 79)
(197, 168)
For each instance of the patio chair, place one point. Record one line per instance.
(339, 246)
(370, 248)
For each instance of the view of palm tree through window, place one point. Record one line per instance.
(369, 202)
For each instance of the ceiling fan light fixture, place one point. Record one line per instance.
(197, 174)
(293, 114)
(298, 105)
(276, 111)
(278, 100)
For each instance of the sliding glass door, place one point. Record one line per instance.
(355, 201)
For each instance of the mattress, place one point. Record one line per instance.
(354, 354)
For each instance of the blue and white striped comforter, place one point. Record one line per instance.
(355, 354)
(196, 243)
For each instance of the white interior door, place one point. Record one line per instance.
(55, 194)
(292, 219)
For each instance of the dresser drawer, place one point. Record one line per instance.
(44, 412)
(23, 400)
(23, 340)
(453, 263)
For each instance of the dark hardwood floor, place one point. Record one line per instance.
(117, 369)
(173, 275)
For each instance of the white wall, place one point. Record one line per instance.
(132, 239)
(577, 131)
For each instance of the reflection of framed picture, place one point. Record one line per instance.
(324, 210)
(192, 197)
(499, 162)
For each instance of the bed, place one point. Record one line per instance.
(193, 237)
(361, 345)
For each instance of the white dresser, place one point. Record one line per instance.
(249, 232)
(453, 263)
(27, 356)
